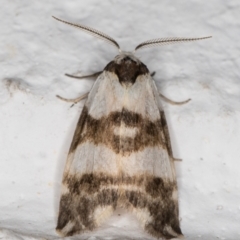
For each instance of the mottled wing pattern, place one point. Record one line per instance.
(120, 156)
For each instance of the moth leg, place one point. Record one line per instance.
(94, 75)
(76, 100)
(166, 133)
(153, 74)
(173, 102)
(177, 159)
(167, 137)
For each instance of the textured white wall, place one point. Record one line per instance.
(36, 128)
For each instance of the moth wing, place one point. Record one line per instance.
(91, 158)
(160, 214)
(120, 155)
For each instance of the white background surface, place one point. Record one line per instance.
(36, 128)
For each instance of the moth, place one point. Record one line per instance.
(121, 154)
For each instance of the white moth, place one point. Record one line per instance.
(121, 154)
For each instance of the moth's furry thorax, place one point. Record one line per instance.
(127, 67)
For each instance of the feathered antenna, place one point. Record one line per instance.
(93, 32)
(163, 41)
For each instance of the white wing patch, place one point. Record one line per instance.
(103, 159)
(108, 95)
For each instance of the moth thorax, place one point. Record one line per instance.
(127, 67)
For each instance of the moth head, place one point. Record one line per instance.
(126, 57)
(127, 67)
(149, 43)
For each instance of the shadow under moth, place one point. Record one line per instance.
(121, 155)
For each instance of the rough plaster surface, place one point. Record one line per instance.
(36, 128)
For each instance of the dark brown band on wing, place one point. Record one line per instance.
(79, 210)
(99, 190)
(127, 71)
(101, 131)
(90, 183)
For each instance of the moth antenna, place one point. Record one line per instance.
(163, 41)
(93, 32)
